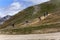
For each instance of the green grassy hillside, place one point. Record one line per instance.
(27, 14)
(50, 23)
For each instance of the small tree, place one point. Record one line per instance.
(27, 22)
(13, 24)
(39, 18)
(46, 13)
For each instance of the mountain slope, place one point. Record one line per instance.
(33, 20)
(30, 13)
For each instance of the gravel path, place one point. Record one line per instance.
(49, 36)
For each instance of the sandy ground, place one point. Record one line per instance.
(50, 36)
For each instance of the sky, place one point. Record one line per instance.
(11, 7)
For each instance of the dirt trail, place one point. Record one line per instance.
(35, 21)
(51, 23)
